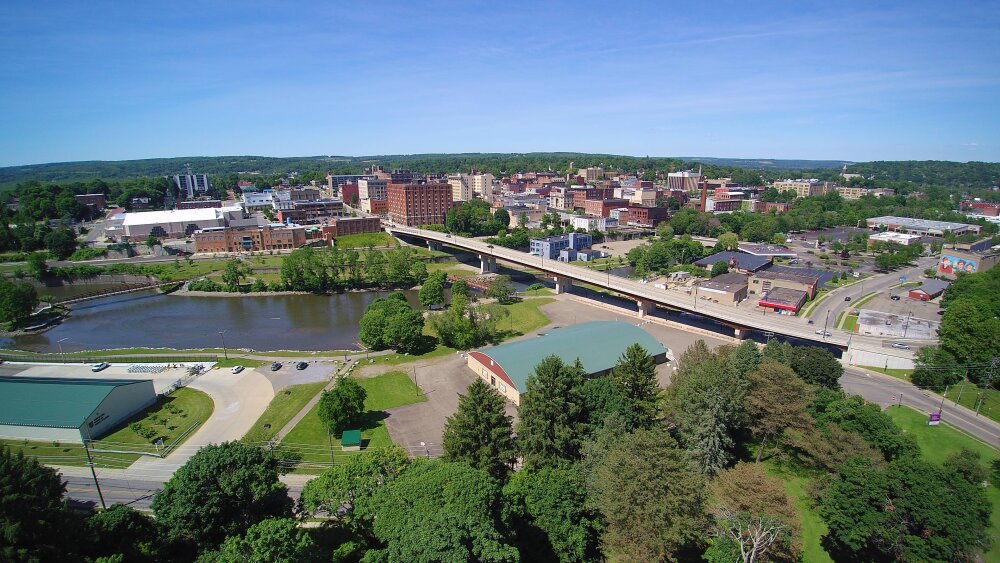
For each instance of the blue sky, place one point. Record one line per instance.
(815, 80)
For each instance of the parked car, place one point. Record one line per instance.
(900, 346)
(895, 298)
(100, 366)
(275, 366)
(823, 333)
(301, 365)
(237, 369)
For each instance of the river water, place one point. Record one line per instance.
(150, 319)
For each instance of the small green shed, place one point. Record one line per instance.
(350, 440)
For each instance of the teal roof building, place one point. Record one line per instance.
(69, 409)
(597, 345)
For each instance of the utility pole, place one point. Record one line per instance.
(225, 352)
(900, 399)
(93, 473)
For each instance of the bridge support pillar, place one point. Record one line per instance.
(563, 284)
(487, 264)
(645, 308)
(741, 333)
(431, 245)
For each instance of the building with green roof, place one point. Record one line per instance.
(597, 345)
(69, 409)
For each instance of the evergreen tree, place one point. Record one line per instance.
(777, 401)
(634, 376)
(744, 359)
(480, 432)
(552, 416)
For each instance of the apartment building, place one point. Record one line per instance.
(591, 174)
(602, 207)
(686, 181)
(373, 189)
(461, 189)
(646, 215)
(804, 188)
(419, 204)
(309, 212)
(550, 247)
(191, 185)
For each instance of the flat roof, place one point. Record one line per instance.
(53, 402)
(928, 224)
(727, 283)
(773, 274)
(767, 249)
(350, 438)
(933, 287)
(598, 345)
(176, 215)
(783, 298)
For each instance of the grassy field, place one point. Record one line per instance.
(452, 269)
(231, 362)
(174, 419)
(525, 316)
(285, 404)
(812, 525)
(937, 443)
(892, 372)
(970, 398)
(310, 439)
(542, 292)
(364, 240)
(850, 323)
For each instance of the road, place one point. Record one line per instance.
(885, 391)
(779, 324)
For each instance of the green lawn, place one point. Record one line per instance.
(850, 323)
(937, 443)
(174, 419)
(525, 316)
(812, 525)
(970, 398)
(285, 404)
(364, 240)
(452, 269)
(812, 305)
(892, 372)
(310, 439)
(537, 292)
(231, 362)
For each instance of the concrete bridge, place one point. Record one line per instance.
(646, 296)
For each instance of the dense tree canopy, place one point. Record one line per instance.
(390, 322)
(17, 301)
(552, 416)
(480, 432)
(342, 406)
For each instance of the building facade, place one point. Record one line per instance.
(727, 289)
(373, 189)
(803, 188)
(418, 204)
(550, 247)
(764, 281)
(351, 226)
(191, 185)
(647, 216)
(249, 238)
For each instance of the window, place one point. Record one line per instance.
(493, 381)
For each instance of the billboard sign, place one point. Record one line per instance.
(934, 419)
(953, 265)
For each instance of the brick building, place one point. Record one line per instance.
(351, 226)
(199, 204)
(250, 238)
(375, 206)
(311, 212)
(419, 204)
(349, 193)
(93, 202)
(602, 207)
(645, 215)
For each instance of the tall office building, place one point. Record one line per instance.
(419, 204)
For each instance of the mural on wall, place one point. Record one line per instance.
(953, 265)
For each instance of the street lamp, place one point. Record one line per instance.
(59, 342)
(225, 352)
(906, 323)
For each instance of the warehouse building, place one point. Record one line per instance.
(728, 289)
(176, 223)
(598, 345)
(923, 227)
(68, 409)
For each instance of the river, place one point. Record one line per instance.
(150, 319)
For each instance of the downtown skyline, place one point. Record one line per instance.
(898, 81)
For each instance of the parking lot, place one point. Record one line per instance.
(904, 306)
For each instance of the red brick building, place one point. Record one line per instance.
(93, 202)
(351, 226)
(602, 207)
(251, 238)
(419, 204)
(199, 204)
(646, 215)
(349, 193)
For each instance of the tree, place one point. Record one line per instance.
(276, 539)
(779, 238)
(391, 322)
(342, 406)
(480, 432)
(336, 491)
(501, 289)
(152, 241)
(777, 401)
(967, 464)
(61, 243)
(816, 366)
(35, 524)
(123, 530)
(17, 302)
(460, 288)
(438, 511)
(37, 266)
(221, 491)
(551, 515)
(634, 376)
(432, 290)
(854, 414)
(908, 511)
(665, 231)
(719, 268)
(753, 514)
(649, 517)
(777, 351)
(233, 275)
(705, 401)
(744, 359)
(728, 241)
(464, 327)
(551, 425)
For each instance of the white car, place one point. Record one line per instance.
(900, 346)
(237, 369)
(823, 333)
(99, 367)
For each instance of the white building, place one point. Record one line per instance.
(253, 201)
(373, 189)
(460, 188)
(898, 238)
(594, 223)
(176, 223)
(592, 174)
(191, 185)
(687, 180)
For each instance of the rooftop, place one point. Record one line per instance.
(746, 261)
(783, 298)
(725, 282)
(177, 215)
(781, 275)
(931, 287)
(53, 401)
(919, 223)
(766, 249)
(597, 344)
